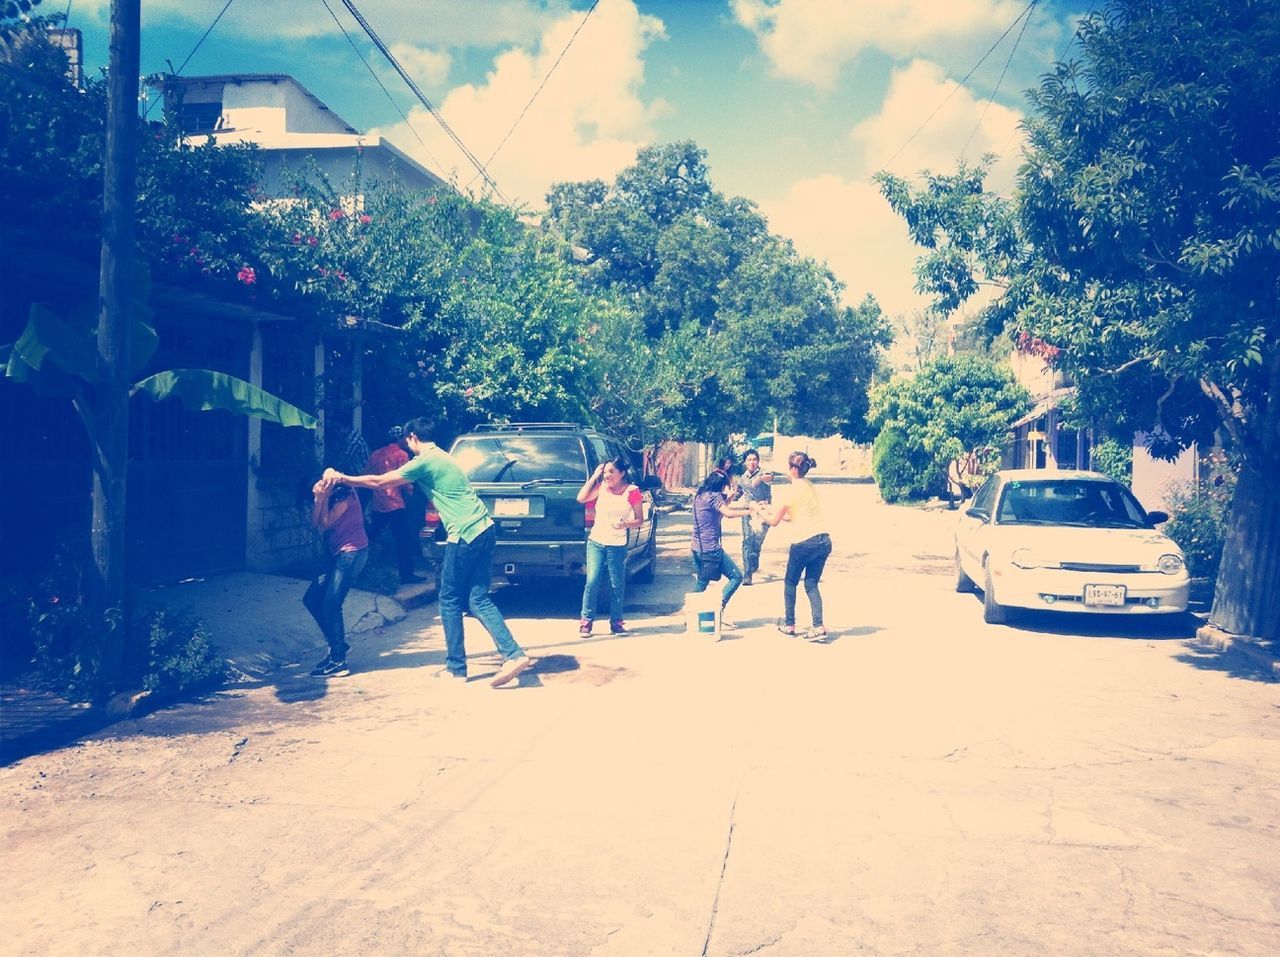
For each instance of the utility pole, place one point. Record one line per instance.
(115, 298)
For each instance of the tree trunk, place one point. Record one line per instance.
(115, 294)
(1247, 598)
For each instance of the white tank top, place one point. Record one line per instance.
(611, 509)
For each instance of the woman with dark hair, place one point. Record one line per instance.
(618, 508)
(336, 514)
(811, 545)
(709, 509)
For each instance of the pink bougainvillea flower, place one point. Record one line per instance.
(341, 276)
(470, 391)
(365, 219)
(296, 238)
(311, 240)
(247, 275)
(336, 214)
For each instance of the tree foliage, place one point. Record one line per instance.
(953, 408)
(733, 327)
(1147, 224)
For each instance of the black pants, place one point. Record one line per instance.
(404, 534)
(805, 558)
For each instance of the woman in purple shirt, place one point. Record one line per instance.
(336, 514)
(709, 509)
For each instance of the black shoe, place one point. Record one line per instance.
(329, 667)
(746, 579)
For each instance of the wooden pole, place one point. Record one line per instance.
(115, 296)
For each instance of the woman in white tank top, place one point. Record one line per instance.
(617, 509)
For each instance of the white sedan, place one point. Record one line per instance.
(1058, 540)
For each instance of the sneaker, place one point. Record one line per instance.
(618, 627)
(511, 669)
(446, 673)
(746, 579)
(584, 628)
(816, 633)
(329, 667)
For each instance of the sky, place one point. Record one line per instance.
(798, 103)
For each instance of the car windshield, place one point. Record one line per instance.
(1078, 502)
(521, 458)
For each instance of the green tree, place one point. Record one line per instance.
(954, 408)
(1153, 187)
(735, 327)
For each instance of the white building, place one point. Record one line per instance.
(289, 124)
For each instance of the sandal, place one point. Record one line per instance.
(816, 634)
(788, 630)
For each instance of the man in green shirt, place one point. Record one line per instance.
(467, 566)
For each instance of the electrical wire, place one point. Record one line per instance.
(507, 136)
(199, 43)
(954, 89)
(977, 126)
(390, 58)
(377, 79)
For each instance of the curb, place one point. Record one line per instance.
(1259, 653)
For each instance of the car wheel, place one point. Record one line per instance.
(649, 570)
(964, 584)
(993, 613)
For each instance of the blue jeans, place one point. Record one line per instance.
(806, 558)
(466, 570)
(732, 575)
(326, 594)
(599, 558)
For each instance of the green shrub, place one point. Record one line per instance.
(1199, 516)
(1114, 459)
(901, 471)
(60, 648)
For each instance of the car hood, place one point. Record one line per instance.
(1098, 546)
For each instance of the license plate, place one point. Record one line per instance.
(1106, 595)
(511, 506)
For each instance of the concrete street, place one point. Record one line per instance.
(922, 783)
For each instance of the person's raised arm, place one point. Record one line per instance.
(773, 513)
(391, 479)
(323, 512)
(590, 490)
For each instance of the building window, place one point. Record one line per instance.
(200, 117)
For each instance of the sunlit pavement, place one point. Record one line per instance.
(919, 783)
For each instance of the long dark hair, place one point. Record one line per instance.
(801, 462)
(715, 482)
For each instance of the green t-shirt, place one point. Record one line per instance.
(435, 472)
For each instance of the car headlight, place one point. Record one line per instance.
(1170, 564)
(1029, 558)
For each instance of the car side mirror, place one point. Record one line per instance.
(650, 483)
(1157, 518)
(977, 513)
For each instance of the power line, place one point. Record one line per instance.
(382, 48)
(977, 126)
(377, 79)
(540, 86)
(199, 43)
(962, 82)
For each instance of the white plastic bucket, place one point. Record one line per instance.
(702, 613)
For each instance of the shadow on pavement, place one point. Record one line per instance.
(1230, 662)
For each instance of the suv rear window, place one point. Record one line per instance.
(520, 458)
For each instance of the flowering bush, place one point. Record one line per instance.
(1199, 517)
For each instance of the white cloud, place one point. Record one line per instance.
(894, 139)
(587, 122)
(810, 40)
(427, 66)
(850, 227)
(847, 223)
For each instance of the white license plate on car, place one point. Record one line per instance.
(1104, 595)
(511, 506)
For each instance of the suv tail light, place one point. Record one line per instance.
(432, 523)
(589, 517)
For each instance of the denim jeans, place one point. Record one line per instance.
(465, 573)
(403, 534)
(807, 558)
(732, 575)
(599, 558)
(326, 594)
(753, 533)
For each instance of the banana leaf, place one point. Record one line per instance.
(48, 337)
(205, 389)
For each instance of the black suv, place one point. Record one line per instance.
(528, 475)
